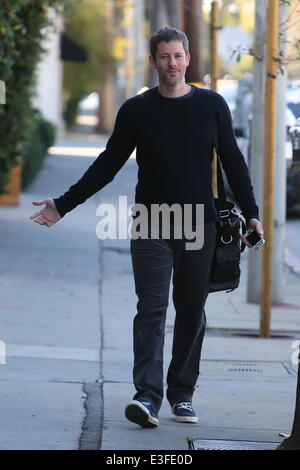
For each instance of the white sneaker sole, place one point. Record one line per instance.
(186, 419)
(137, 413)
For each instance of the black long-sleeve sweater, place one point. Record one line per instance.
(174, 139)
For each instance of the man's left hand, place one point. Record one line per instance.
(256, 225)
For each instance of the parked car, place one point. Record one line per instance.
(228, 89)
(293, 97)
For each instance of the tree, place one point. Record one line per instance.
(87, 24)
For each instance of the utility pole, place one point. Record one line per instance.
(257, 142)
(256, 161)
(269, 165)
(278, 284)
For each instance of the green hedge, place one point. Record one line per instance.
(22, 24)
(40, 138)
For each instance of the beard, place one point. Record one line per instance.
(172, 81)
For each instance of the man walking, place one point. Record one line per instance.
(174, 127)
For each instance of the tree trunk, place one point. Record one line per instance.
(192, 23)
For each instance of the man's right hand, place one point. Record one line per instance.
(48, 216)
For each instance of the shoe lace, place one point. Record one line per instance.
(185, 405)
(146, 403)
(149, 406)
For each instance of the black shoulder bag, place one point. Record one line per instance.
(225, 269)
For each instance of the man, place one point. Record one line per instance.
(174, 127)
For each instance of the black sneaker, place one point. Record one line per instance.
(142, 413)
(183, 412)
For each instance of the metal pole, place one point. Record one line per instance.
(214, 73)
(278, 278)
(257, 144)
(254, 281)
(269, 166)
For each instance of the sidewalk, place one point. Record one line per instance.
(50, 320)
(67, 304)
(246, 389)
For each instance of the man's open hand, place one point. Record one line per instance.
(48, 216)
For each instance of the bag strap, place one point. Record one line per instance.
(223, 206)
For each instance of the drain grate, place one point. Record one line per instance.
(243, 369)
(202, 444)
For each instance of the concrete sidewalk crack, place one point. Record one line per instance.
(91, 434)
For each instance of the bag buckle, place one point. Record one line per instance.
(225, 215)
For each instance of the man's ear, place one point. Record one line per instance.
(188, 58)
(152, 62)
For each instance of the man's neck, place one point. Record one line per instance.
(174, 91)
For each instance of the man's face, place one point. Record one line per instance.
(170, 62)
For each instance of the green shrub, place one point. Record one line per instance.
(71, 112)
(22, 26)
(39, 138)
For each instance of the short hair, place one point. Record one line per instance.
(167, 34)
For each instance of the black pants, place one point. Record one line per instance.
(153, 262)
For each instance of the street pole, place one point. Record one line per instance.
(256, 165)
(278, 284)
(269, 165)
(214, 72)
(254, 281)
